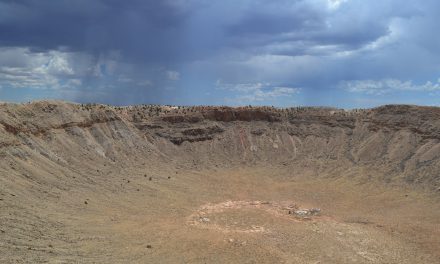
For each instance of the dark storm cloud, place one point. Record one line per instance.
(159, 30)
(264, 21)
(132, 51)
(138, 28)
(301, 24)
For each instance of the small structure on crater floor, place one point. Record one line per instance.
(305, 212)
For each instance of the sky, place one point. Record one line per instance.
(339, 53)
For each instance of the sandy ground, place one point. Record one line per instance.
(229, 216)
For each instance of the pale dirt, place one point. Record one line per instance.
(358, 223)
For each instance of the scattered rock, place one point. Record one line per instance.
(254, 227)
(150, 179)
(204, 219)
(149, 246)
(169, 177)
(315, 211)
(85, 202)
(258, 132)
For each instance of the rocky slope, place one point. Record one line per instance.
(395, 143)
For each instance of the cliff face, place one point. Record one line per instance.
(391, 143)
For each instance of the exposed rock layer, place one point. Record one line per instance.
(394, 143)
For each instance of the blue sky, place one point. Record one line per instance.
(342, 53)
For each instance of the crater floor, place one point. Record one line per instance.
(227, 216)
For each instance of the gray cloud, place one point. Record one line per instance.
(134, 51)
(137, 28)
(255, 93)
(380, 87)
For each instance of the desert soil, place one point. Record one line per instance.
(228, 216)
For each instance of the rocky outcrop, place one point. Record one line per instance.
(178, 136)
(227, 114)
